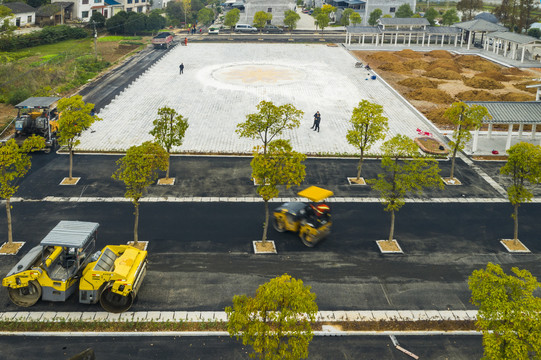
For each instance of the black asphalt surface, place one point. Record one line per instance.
(216, 348)
(200, 254)
(230, 177)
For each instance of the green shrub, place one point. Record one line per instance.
(18, 96)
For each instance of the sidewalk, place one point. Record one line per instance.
(220, 316)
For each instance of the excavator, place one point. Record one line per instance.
(65, 262)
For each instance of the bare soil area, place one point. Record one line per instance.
(431, 81)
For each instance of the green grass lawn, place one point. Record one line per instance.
(69, 46)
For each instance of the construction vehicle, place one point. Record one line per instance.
(37, 116)
(312, 221)
(64, 261)
(163, 40)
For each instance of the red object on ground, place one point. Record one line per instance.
(495, 152)
(185, 41)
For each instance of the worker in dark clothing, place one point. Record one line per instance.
(181, 68)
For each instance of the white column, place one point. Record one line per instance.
(489, 132)
(428, 42)
(469, 41)
(520, 130)
(423, 43)
(461, 38)
(377, 36)
(396, 39)
(522, 56)
(533, 131)
(442, 39)
(509, 134)
(475, 141)
(495, 44)
(363, 40)
(514, 52)
(409, 40)
(456, 39)
(504, 48)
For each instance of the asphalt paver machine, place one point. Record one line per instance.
(65, 261)
(37, 116)
(312, 221)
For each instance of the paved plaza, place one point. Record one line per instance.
(223, 82)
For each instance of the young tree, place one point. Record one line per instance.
(466, 119)
(290, 20)
(5, 16)
(368, 126)
(155, 21)
(75, 117)
(231, 19)
(280, 165)
(277, 321)
(269, 122)
(169, 130)
(516, 15)
(98, 19)
(322, 21)
(344, 20)
(523, 166)
(374, 17)
(399, 178)
(509, 315)
(138, 169)
(187, 8)
(535, 32)
(261, 18)
(174, 13)
(431, 14)
(468, 8)
(404, 11)
(449, 17)
(14, 164)
(205, 16)
(355, 18)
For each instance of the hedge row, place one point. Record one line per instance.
(49, 35)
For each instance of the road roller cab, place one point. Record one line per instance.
(53, 270)
(312, 221)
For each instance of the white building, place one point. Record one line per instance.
(366, 7)
(24, 14)
(275, 7)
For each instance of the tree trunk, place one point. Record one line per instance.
(8, 216)
(136, 224)
(266, 224)
(359, 167)
(71, 163)
(453, 162)
(515, 232)
(168, 165)
(391, 232)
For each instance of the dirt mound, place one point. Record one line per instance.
(396, 67)
(476, 63)
(494, 75)
(443, 74)
(384, 57)
(483, 83)
(431, 95)
(513, 71)
(418, 83)
(416, 64)
(440, 54)
(408, 53)
(444, 64)
(476, 95)
(436, 115)
(517, 97)
(522, 86)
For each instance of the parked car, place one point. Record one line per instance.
(272, 29)
(245, 28)
(214, 30)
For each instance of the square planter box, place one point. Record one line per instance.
(14, 250)
(67, 181)
(139, 243)
(271, 249)
(164, 181)
(384, 247)
(451, 182)
(509, 245)
(353, 181)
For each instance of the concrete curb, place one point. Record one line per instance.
(221, 316)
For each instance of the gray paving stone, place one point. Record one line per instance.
(325, 316)
(153, 316)
(419, 315)
(101, 316)
(433, 315)
(207, 315)
(34, 316)
(379, 315)
(194, 316)
(22, 315)
(140, 316)
(68, 316)
(48, 316)
(448, 315)
(167, 316)
(472, 314)
(405, 315)
(126, 316)
(220, 316)
(340, 316)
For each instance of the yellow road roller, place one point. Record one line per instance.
(312, 221)
(65, 261)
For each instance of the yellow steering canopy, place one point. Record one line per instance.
(315, 194)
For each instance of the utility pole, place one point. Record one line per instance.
(95, 41)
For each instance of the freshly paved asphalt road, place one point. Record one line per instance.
(215, 347)
(200, 254)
